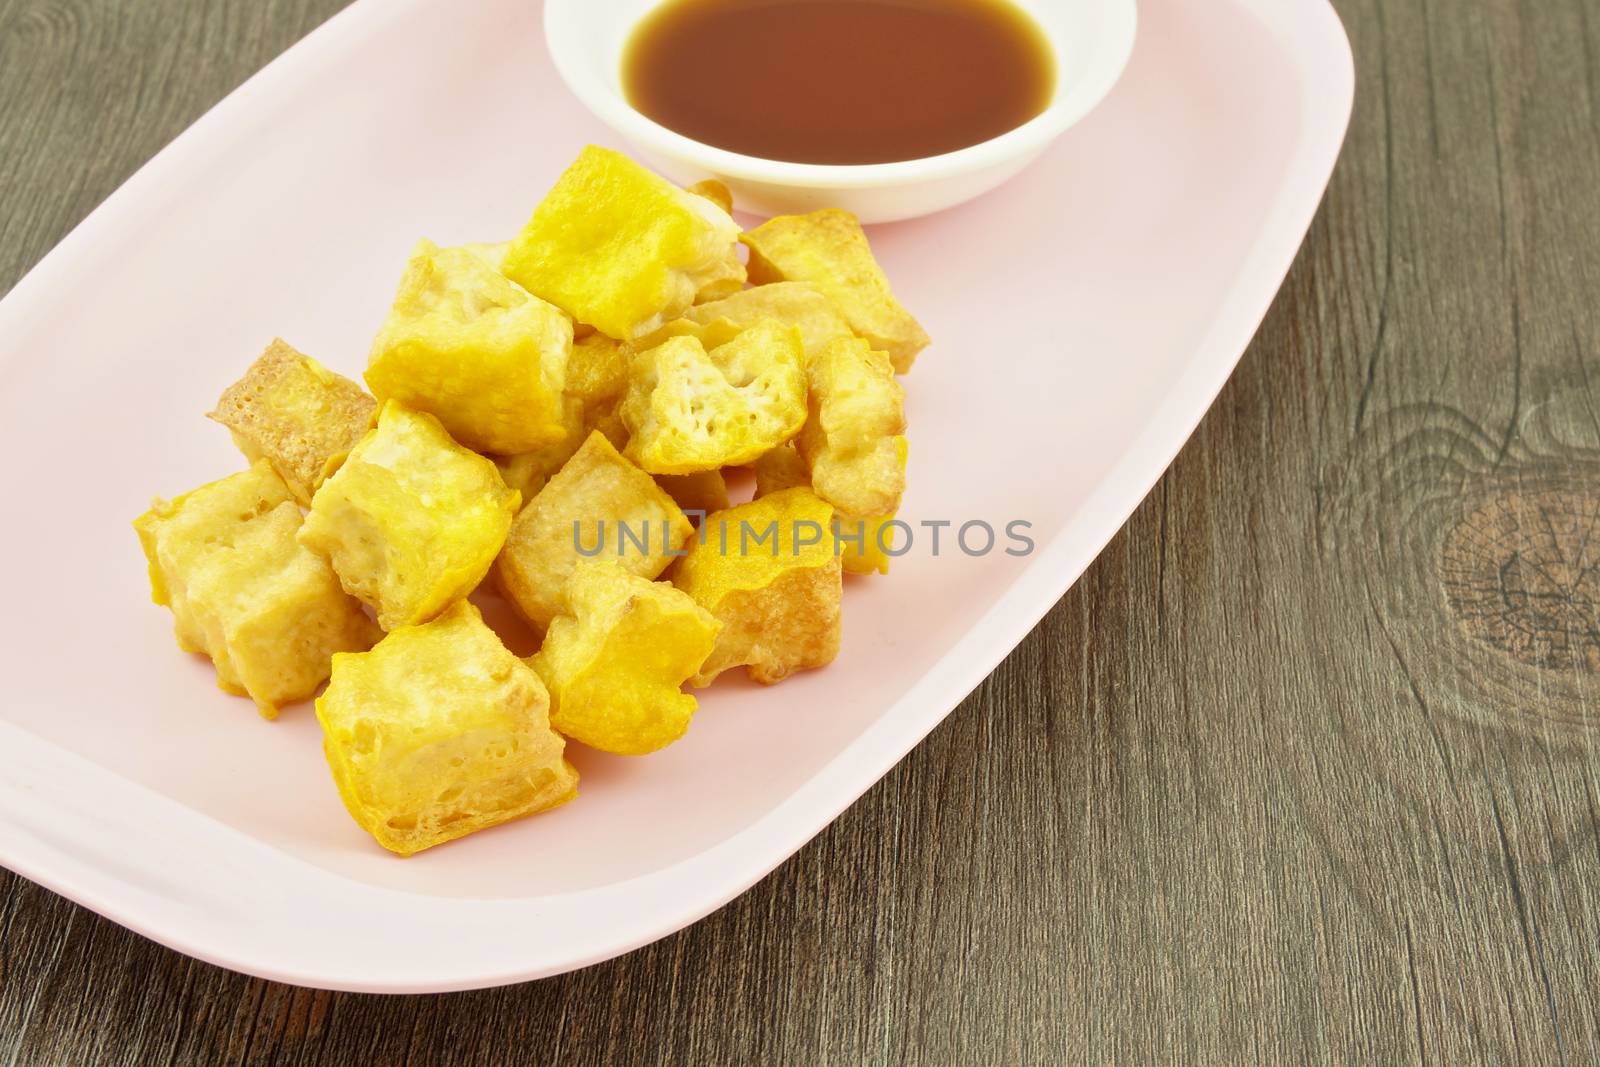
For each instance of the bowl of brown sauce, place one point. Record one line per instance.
(887, 108)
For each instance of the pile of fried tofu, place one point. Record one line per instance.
(551, 419)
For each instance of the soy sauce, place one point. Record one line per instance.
(839, 81)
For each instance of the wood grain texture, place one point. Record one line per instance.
(1303, 770)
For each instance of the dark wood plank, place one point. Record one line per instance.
(1304, 768)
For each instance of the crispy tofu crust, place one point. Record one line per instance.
(778, 600)
(623, 249)
(791, 303)
(412, 521)
(702, 491)
(596, 486)
(475, 350)
(243, 591)
(615, 659)
(293, 412)
(853, 442)
(439, 732)
(828, 250)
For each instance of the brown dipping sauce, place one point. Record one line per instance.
(839, 81)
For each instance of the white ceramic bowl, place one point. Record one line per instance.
(1091, 39)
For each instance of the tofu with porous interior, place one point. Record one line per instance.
(692, 409)
(623, 249)
(767, 572)
(296, 414)
(412, 521)
(269, 612)
(828, 250)
(617, 656)
(475, 350)
(439, 732)
(597, 506)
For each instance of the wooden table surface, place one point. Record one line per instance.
(1303, 770)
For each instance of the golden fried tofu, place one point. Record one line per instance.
(616, 658)
(296, 414)
(242, 590)
(523, 472)
(476, 351)
(702, 491)
(782, 468)
(828, 250)
(791, 303)
(854, 445)
(599, 506)
(710, 334)
(689, 409)
(439, 732)
(623, 249)
(526, 472)
(715, 192)
(859, 541)
(597, 377)
(767, 571)
(729, 278)
(853, 439)
(412, 520)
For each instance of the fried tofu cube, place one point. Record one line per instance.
(296, 414)
(597, 377)
(853, 441)
(863, 543)
(860, 542)
(598, 505)
(782, 468)
(873, 555)
(439, 732)
(412, 521)
(828, 250)
(526, 472)
(710, 334)
(623, 249)
(475, 350)
(689, 409)
(768, 572)
(523, 472)
(791, 303)
(616, 658)
(242, 590)
(701, 492)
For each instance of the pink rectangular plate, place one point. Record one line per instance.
(1084, 317)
